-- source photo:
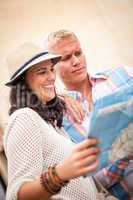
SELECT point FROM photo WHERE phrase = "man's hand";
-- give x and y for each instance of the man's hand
(75, 108)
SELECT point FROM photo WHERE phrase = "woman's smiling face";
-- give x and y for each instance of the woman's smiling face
(41, 78)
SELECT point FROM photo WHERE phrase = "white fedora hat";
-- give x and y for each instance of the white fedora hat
(25, 57)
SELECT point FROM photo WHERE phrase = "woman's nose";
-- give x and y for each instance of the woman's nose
(51, 76)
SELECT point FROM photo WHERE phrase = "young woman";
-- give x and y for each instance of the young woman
(43, 163)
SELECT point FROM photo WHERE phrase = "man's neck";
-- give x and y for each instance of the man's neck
(83, 87)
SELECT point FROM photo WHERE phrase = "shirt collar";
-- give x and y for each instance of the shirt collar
(93, 80)
(96, 78)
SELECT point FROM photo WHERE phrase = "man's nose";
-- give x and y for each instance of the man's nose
(75, 60)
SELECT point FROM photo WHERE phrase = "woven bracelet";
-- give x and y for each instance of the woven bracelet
(47, 185)
(56, 177)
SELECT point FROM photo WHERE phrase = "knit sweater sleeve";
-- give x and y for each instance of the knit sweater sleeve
(23, 146)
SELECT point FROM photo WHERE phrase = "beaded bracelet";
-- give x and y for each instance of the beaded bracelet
(47, 185)
(51, 181)
(55, 177)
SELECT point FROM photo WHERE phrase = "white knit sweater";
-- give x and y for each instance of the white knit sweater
(31, 145)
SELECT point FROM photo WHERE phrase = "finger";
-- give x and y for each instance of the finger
(92, 167)
(75, 108)
(79, 110)
(75, 113)
(89, 169)
(88, 160)
(86, 144)
(87, 152)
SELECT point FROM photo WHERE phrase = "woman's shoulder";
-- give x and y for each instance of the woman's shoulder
(25, 118)
(25, 113)
(22, 123)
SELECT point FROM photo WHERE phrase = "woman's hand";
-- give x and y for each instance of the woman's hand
(75, 108)
(82, 160)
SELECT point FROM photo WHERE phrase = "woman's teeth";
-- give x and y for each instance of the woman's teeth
(48, 86)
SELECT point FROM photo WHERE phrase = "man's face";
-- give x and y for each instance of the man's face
(72, 67)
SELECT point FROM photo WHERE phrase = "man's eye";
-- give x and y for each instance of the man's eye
(78, 53)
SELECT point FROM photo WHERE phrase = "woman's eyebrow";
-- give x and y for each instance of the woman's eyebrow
(40, 69)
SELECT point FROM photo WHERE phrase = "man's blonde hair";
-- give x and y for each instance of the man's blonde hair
(56, 36)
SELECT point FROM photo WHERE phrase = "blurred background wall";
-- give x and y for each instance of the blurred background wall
(105, 28)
